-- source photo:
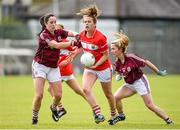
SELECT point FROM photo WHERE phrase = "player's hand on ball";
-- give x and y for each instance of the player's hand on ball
(162, 72)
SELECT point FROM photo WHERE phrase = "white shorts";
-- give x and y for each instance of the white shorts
(103, 75)
(141, 86)
(66, 78)
(40, 70)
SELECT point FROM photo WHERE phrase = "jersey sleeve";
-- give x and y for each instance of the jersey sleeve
(62, 33)
(103, 45)
(140, 62)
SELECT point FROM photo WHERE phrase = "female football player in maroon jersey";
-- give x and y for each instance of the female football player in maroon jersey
(95, 42)
(129, 67)
(65, 65)
(44, 65)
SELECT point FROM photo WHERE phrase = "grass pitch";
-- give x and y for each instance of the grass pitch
(16, 93)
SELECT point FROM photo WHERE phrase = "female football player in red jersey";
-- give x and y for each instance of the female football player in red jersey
(66, 57)
(129, 66)
(44, 66)
(95, 42)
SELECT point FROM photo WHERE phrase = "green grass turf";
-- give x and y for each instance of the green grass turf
(16, 94)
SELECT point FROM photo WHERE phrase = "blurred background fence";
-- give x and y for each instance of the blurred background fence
(152, 26)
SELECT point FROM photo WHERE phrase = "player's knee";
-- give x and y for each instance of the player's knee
(109, 95)
(86, 91)
(149, 105)
(117, 98)
(57, 95)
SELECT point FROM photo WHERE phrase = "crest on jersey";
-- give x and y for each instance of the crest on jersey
(128, 69)
(94, 47)
(59, 38)
(47, 40)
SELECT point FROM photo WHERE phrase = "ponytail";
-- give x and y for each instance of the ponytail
(41, 20)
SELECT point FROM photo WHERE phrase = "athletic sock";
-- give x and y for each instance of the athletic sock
(60, 106)
(96, 110)
(121, 114)
(35, 114)
(53, 106)
(113, 112)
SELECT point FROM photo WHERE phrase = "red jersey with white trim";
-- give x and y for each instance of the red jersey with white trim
(96, 45)
(64, 54)
(131, 68)
(46, 54)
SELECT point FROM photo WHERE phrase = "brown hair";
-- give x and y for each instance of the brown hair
(91, 11)
(121, 40)
(44, 19)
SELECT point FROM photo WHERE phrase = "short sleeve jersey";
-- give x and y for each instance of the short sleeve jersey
(96, 45)
(67, 69)
(46, 54)
(131, 68)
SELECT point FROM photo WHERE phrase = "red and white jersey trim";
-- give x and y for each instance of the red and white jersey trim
(89, 46)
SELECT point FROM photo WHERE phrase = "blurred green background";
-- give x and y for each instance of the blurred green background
(152, 26)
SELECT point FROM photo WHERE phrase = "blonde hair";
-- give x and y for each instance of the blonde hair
(60, 26)
(121, 40)
(91, 11)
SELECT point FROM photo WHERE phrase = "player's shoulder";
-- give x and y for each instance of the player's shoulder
(100, 37)
(100, 33)
(130, 55)
(134, 56)
(82, 33)
(44, 34)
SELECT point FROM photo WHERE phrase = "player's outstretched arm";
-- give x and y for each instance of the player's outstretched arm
(155, 69)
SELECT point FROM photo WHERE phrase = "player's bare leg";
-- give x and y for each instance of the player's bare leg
(157, 110)
(122, 92)
(38, 95)
(57, 94)
(73, 84)
(88, 82)
(107, 89)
